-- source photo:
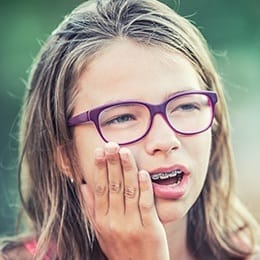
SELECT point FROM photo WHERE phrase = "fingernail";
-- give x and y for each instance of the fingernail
(143, 176)
(111, 147)
(124, 154)
(99, 153)
(144, 180)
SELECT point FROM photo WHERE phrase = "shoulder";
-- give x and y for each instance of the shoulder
(14, 251)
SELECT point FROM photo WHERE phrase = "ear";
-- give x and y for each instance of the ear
(63, 162)
(65, 166)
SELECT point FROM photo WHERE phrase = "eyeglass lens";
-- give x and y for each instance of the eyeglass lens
(187, 114)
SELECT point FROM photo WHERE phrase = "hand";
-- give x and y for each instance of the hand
(121, 208)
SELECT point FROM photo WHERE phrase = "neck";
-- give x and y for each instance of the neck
(176, 233)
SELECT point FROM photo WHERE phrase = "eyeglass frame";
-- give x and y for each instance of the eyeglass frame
(92, 115)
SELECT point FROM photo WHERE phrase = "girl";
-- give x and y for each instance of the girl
(125, 146)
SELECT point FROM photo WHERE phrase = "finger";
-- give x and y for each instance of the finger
(115, 180)
(131, 185)
(100, 184)
(146, 199)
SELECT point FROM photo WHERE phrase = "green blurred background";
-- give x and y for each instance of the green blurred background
(232, 29)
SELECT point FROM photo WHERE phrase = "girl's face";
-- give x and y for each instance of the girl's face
(124, 71)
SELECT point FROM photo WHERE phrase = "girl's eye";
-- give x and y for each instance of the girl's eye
(188, 107)
(120, 119)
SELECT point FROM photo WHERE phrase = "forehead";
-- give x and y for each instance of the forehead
(126, 53)
(127, 70)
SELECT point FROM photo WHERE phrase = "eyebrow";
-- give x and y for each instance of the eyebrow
(171, 94)
(166, 96)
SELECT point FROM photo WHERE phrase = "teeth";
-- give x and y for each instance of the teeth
(155, 176)
(165, 175)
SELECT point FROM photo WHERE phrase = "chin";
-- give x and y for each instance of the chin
(170, 211)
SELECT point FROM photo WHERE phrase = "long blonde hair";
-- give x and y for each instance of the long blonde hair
(50, 201)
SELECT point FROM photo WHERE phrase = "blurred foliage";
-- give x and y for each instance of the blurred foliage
(232, 29)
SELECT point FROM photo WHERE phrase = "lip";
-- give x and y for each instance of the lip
(172, 191)
(170, 169)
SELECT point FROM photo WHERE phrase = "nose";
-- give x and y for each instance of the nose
(161, 137)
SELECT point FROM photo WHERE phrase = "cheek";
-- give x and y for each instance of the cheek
(87, 140)
(201, 149)
(200, 153)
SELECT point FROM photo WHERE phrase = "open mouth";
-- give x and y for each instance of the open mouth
(168, 178)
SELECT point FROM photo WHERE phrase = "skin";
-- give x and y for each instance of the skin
(129, 221)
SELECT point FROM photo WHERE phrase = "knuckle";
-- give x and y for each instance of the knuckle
(123, 232)
(115, 229)
(146, 206)
(132, 235)
(127, 165)
(133, 231)
(112, 159)
(130, 192)
(100, 190)
(100, 163)
(115, 187)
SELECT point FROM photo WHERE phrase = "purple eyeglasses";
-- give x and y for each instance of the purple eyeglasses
(186, 113)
